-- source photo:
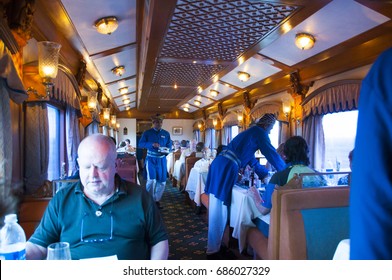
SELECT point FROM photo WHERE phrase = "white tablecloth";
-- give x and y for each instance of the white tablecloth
(343, 250)
(243, 210)
(196, 183)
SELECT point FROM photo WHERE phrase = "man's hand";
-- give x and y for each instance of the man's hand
(156, 145)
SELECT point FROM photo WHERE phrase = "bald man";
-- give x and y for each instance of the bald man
(101, 215)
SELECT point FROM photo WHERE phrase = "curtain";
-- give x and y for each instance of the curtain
(196, 135)
(314, 136)
(36, 145)
(226, 135)
(11, 88)
(208, 138)
(72, 138)
(332, 98)
(218, 137)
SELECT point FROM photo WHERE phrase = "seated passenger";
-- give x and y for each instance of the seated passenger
(297, 158)
(200, 149)
(345, 180)
(129, 147)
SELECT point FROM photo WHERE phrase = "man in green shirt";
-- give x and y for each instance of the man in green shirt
(102, 215)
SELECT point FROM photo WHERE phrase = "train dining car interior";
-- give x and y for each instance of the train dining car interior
(209, 70)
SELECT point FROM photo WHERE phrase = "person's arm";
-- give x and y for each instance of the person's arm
(35, 252)
(160, 251)
(144, 143)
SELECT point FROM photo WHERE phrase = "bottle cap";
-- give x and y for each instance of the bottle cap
(10, 218)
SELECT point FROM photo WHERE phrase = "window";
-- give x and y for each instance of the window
(339, 133)
(210, 138)
(54, 143)
(234, 131)
(274, 135)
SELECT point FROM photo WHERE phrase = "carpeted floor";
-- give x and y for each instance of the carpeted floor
(187, 230)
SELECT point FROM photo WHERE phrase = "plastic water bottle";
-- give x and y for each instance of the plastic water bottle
(12, 240)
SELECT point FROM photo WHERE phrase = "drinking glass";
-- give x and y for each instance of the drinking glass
(59, 251)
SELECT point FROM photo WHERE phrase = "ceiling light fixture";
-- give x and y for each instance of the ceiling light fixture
(123, 90)
(243, 76)
(197, 102)
(304, 41)
(214, 93)
(106, 25)
(186, 109)
(126, 101)
(118, 70)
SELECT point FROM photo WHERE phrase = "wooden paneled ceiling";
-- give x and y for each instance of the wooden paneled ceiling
(176, 51)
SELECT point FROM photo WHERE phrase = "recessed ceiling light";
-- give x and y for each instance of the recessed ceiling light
(106, 25)
(243, 76)
(123, 90)
(214, 93)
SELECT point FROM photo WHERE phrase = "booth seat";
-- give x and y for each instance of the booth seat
(305, 224)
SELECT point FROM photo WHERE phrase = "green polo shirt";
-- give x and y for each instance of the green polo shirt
(126, 225)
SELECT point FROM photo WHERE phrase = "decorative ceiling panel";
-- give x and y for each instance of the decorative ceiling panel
(184, 74)
(220, 30)
(222, 89)
(354, 19)
(259, 70)
(170, 93)
(114, 87)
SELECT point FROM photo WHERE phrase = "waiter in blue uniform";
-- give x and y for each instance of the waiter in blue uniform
(158, 144)
(223, 174)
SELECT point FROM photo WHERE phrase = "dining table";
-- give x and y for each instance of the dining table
(243, 208)
(242, 212)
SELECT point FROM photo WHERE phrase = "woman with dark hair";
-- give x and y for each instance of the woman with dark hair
(296, 151)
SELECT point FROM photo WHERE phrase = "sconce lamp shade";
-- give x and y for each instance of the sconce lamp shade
(92, 101)
(304, 41)
(243, 76)
(106, 25)
(48, 61)
(118, 70)
(286, 106)
(106, 114)
(113, 120)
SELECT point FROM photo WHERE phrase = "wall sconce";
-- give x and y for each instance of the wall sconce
(118, 126)
(106, 114)
(214, 122)
(199, 125)
(243, 76)
(304, 41)
(118, 70)
(286, 107)
(106, 25)
(214, 93)
(48, 60)
(92, 101)
(113, 120)
(240, 119)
